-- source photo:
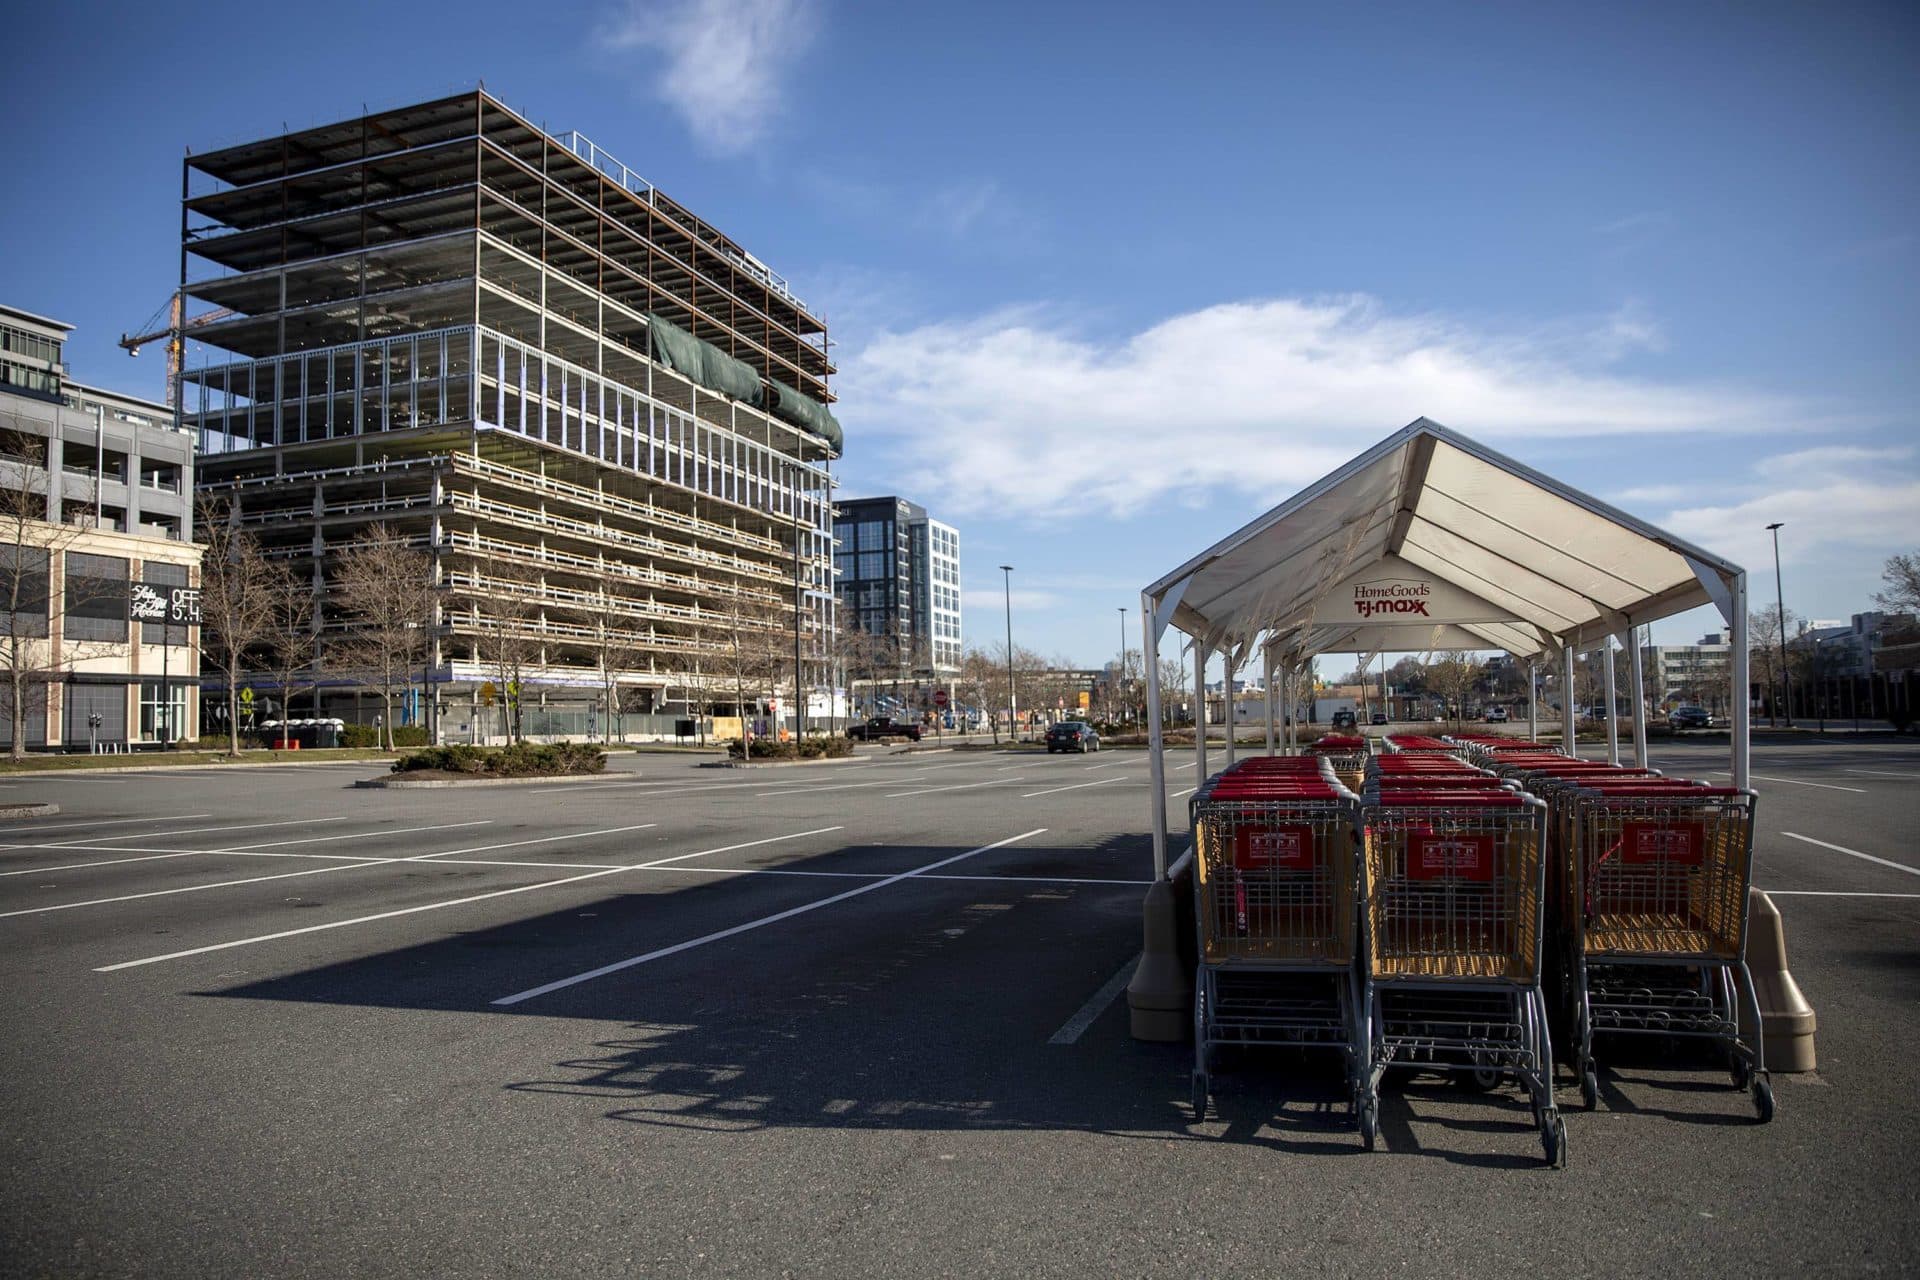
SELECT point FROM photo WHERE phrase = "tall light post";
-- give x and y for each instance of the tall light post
(1120, 672)
(1006, 571)
(1780, 604)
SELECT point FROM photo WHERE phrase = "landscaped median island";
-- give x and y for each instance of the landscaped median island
(814, 748)
(523, 761)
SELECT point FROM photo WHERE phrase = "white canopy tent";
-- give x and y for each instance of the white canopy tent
(1430, 541)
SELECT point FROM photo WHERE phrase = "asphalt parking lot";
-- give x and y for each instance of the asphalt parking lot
(843, 1020)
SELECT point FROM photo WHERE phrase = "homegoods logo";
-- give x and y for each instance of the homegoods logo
(1371, 598)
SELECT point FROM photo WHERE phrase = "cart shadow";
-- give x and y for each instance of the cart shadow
(1636, 1072)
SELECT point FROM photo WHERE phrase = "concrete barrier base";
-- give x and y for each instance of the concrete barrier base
(1786, 1019)
(1160, 996)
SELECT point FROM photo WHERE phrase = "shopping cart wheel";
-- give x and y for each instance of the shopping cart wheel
(1482, 1079)
(1742, 1070)
(1369, 1121)
(1763, 1099)
(1553, 1138)
(1590, 1089)
(1200, 1092)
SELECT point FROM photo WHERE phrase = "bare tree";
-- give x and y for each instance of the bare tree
(508, 616)
(1902, 576)
(293, 640)
(236, 601)
(975, 685)
(382, 584)
(1176, 678)
(753, 638)
(617, 649)
(1453, 677)
(1765, 629)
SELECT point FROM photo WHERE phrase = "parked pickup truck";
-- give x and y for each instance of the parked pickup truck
(879, 729)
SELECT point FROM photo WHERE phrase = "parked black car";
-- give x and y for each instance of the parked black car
(1690, 718)
(880, 728)
(1072, 735)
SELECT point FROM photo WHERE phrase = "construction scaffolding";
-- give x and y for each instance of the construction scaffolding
(604, 420)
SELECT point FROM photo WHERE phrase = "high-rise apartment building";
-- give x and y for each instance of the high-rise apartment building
(603, 420)
(898, 574)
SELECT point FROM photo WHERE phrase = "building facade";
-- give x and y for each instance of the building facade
(602, 422)
(1845, 650)
(897, 572)
(1693, 674)
(96, 522)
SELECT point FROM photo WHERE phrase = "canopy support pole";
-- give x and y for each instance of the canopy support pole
(1742, 690)
(1266, 683)
(1567, 741)
(1637, 679)
(1613, 702)
(1533, 708)
(1199, 713)
(1230, 659)
(1156, 734)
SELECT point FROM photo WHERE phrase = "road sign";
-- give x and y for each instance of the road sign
(488, 693)
(940, 698)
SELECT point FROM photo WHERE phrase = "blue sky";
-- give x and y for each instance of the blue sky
(1107, 280)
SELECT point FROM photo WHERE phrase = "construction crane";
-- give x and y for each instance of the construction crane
(175, 332)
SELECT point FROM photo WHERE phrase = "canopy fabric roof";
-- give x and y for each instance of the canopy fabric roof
(1431, 541)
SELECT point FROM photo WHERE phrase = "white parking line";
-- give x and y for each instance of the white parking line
(953, 786)
(1794, 782)
(1189, 791)
(1050, 791)
(1832, 893)
(1881, 773)
(1076, 1026)
(387, 915)
(1188, 765)
(223, 884)
(844, 786)
(194, 831)
(763, 921)
(155, 855)
(1117, 764)
(1853, 853)
(729, 848)
(99, 822)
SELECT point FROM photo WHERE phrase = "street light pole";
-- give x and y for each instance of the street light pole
(1120, 672)
(1006, 571)
(1780, 604)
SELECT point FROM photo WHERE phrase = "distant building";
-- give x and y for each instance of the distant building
(96, 493)
(897, 574)
(1841, 650)
(1693, 674)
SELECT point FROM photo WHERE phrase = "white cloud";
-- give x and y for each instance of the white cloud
(1015, 411)
(721, 60)
(1839, 506)
(994, 599)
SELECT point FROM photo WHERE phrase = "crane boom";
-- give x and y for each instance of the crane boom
(175, 334)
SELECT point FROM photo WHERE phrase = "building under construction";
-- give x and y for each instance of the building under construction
(604, 420)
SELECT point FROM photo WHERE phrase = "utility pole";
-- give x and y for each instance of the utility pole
(1780, 604)
(1119, 672)
(1013, 709)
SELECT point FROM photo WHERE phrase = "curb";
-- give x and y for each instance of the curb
(28, 810)
(197, 764)
(406, 784)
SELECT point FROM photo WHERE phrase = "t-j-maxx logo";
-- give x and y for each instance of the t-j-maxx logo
(1372, 598)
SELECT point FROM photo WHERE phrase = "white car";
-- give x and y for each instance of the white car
(1496, 715)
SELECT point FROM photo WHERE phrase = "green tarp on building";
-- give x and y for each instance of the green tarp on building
(805, 412)
(702, 362)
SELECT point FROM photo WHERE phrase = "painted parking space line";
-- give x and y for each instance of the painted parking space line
(838, 786)
(1881, 773)
(194, 831)
(1117, 764)
(1831, 893)
(155, 855)
(1793, 782)
(1853, 853)
(1054, 791)
(388, 915)
(1188, 765)
(100, 822)
(678, 947)
(588, 788)
(729, 848)
(1076, 1026)
(952, 786)
(223, 884)
(1189, 791)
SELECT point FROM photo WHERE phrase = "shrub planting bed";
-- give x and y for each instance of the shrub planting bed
(820, 748)
(521, 760)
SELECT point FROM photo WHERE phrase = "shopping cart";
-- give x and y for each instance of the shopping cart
(1346, 754)
(1653, 916)
(1274, 903)
(1452, 878)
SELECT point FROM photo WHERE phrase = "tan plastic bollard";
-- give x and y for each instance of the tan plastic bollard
(1160, 996)
(1786, 1019)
